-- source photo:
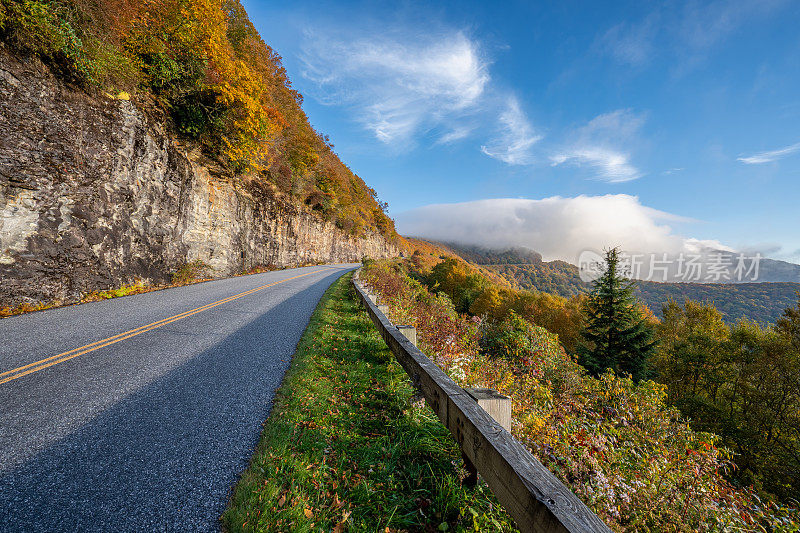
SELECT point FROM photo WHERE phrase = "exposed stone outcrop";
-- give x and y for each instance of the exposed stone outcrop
(94, 193)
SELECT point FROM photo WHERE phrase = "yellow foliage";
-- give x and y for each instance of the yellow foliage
(254, 124)
(489, 303)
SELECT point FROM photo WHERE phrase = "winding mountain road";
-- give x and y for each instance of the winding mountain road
(138, 413)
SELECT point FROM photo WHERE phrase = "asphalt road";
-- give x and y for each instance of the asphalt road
(146, 431)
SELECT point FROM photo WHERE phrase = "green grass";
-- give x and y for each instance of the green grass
(346, 449)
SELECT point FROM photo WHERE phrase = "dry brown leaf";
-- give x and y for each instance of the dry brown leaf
(338, 528)
(281, 501)
(309, 513)
(336, 501)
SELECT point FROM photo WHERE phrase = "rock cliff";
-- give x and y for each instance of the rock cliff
(95, 193)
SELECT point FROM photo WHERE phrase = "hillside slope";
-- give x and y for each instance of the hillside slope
(138, 137)
(763, 302)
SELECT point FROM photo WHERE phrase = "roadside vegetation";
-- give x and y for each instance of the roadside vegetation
(187, 274)
(347, 448)
(621, 444)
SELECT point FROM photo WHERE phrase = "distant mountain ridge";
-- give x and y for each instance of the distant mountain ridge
(762, 301)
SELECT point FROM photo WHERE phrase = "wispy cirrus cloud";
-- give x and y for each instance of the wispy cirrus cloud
(400, 88)
(770, 156)
(410, 85)
(688, 31)
(596, 145)
(516, 136)
(631, 43)
(704, 25)
(672, 171)
(407, 86)
(611, 166)
(456, 134)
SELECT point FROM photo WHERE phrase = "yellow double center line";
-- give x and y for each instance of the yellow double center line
(30, 368)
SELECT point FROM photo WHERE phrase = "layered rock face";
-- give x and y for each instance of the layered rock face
(94, 194)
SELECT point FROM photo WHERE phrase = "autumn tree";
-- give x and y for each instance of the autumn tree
(788, 324)
(559, 315)
(691, 356)
(457, 281)
(740, 382)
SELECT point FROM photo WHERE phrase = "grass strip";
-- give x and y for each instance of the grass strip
(345, 447)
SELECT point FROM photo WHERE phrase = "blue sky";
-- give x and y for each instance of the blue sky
(639, 124)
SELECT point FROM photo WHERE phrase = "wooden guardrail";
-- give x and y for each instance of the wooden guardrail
(532, 495)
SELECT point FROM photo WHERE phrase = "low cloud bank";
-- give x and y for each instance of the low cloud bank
(556, 227)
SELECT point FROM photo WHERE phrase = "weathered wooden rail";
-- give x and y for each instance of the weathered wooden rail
(532, 495)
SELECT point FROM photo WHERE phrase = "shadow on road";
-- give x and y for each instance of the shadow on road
(165, 457)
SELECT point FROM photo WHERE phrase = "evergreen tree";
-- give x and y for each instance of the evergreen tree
(616, 334)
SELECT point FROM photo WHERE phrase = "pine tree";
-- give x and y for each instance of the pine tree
(616, 334)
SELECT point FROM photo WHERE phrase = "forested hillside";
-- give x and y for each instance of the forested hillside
(762, 302)
(202, 64)
(524, 268)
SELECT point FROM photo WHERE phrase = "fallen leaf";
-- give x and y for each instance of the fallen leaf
(281, 501)
(336, 501)
(309, 513)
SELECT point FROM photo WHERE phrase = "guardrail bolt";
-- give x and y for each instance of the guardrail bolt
(409, 332)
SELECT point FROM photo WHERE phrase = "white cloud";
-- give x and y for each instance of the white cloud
(399, 88)
(631, 43)
(769, 157)
(688, 32)
(706, 24)
(456, 134)
(516, 137)
(611, 166)
(556, 227)
(595, 146)
(617, 126)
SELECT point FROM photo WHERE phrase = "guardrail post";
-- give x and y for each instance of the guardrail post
(410, 333)
(497, 405)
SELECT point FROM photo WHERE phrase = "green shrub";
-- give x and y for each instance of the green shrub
(51, 30)
(516, 338)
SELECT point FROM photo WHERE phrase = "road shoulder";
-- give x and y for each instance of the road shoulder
(345, 448)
